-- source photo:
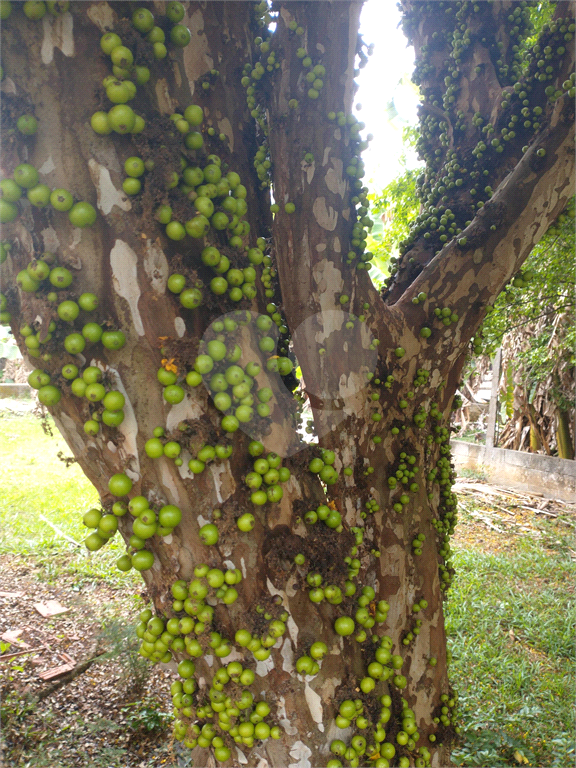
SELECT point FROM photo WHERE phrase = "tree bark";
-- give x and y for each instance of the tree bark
(361, 354)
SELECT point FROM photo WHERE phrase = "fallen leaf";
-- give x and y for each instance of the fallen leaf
(50, 608)
(49, 674)
(12, 635)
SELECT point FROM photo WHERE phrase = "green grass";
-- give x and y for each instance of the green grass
(515, 690)
(36, 483)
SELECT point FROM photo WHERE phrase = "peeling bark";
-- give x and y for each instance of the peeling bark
(54, 69)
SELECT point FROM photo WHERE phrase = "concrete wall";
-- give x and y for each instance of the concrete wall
(530, 472)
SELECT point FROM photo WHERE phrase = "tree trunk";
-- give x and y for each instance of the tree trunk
(563, 436)
(380, 391)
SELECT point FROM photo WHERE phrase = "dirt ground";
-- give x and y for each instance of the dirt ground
(113, 713)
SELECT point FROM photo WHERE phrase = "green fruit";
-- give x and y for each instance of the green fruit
(94, 542)
(134, 166)
(124, 563)
(121, 118)
(142, 560)
(174, 12)
(142, 20)
(82, 215)
(246, 522)
(175, 231)
(74, 343)
(38, 378)
(26, 176)
(88, 302)
(61, 200)
(25, 282)
(92, 332)
(173, 394)
(120, 485)
(169, 516)
(344, 626)
(70, 371)
(113, 401)
(113, 340)
(8, 211)
(78, 387)
(92, 518)
(5, 9)
(154, 448)
(100, 124)
(180, 35)
(190, 298)
(176, 283)
(49, 395)
(109, 41)
(194, 114)
(68, 311)
(60, 277)
(95, 392)
(209, 534)
(39, 196)
(10, 191)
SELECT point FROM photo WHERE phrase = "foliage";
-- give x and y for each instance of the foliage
(392, 210)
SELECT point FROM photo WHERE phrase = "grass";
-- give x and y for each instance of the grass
(509, 617)
(509, 622)
(40, 487)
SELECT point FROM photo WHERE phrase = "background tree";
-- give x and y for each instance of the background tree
(323, 591)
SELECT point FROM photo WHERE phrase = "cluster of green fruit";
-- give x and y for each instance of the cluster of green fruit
(146, 524)
(243, 720)
(308, 664)
(26, 177)
(315, 73)
(105, 525)
(379, 751)
(523, 112)
(220, 351)
(405, 474)
(323, 466)
(120, 87)
(260, 646)
(329, 515)
(268, 471)
(238, 282)
(219, 201)
(35, 9)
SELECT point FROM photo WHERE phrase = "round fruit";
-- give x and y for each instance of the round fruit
(114, 401)
(61, 200)
(113, 339)
(344, 626)
(173, 394)
(74, 343)
(60, 277)
(10, 191)
(82, 215)
(92, 332)
(121, 118)
(120, 485)
(209, 534)
(25, 175)
(49, 395)
(88, 302)
(142, 560)
(169, 516)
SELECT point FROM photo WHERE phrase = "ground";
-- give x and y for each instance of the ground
(509, 617)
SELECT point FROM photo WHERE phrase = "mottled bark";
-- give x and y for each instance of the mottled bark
(54, 68)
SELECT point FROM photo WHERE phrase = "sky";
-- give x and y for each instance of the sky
(380, 83)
